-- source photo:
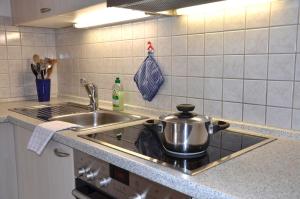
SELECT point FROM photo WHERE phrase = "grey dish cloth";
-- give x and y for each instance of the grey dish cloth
(149, 78)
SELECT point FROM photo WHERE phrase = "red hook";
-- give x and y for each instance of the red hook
(150, 47)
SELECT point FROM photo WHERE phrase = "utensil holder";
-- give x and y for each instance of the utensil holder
(43, 88)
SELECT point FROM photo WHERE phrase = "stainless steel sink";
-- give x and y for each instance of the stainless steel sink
(77, 114)
(98, 118)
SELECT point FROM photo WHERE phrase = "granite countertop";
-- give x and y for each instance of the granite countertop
(270, 171)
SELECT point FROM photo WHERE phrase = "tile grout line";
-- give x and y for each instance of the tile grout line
(295, 66)
(268, 62)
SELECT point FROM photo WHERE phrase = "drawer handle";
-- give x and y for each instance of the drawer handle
(61, 154)
(45, 10)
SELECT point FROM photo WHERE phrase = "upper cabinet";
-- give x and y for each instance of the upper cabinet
(48, 13)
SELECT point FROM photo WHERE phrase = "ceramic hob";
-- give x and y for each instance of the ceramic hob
(142, 142)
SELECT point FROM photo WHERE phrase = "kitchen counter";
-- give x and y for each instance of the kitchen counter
(271, 171)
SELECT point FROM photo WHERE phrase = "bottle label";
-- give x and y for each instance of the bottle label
(116, 101)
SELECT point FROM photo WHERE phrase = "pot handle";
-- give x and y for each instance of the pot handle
(217, 125)
(220, 125)
(155, 125)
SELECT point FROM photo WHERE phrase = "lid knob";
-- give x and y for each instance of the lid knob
(185, 110)
(185, 107)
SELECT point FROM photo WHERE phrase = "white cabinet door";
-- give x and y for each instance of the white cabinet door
(8, 172)
(47, 176)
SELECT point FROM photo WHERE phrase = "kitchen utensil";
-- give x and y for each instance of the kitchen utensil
(185, 133)
(49, 71)
(33, 69)
(36, 58)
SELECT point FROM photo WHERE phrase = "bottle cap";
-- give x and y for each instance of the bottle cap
(117, 81)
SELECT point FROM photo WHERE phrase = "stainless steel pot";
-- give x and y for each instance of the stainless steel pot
(186, 132)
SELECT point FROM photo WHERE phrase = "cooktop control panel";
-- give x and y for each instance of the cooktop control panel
(117, 182)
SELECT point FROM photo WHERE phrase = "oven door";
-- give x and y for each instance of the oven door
(84, 190)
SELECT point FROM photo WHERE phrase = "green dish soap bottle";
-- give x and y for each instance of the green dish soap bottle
(118, 96)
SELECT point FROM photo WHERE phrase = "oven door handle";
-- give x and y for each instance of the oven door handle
(79, 195)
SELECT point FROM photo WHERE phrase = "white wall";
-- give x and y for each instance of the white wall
(238, 63)
(5, 9)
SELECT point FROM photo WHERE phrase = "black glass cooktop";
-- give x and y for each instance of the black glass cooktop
(144, 143)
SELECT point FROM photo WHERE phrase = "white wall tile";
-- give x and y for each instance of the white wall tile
(3, 66)
(198, 105)
(296, 95)
(179, 45)
(179, 25)
(214, 43)
(256, 66)
(195, 87)
(233, 66)
(164, 46)
(126, 31)
(234, 42)
(257, 41)
(4, 80)
(13, 38)
(196, 66)
(233, 111)
(280, 93)
(138, 47)
(213, 66)
(298, 40)
(279, 117)
(138, 30)
(214, 19)
(296, 119)
(234, 20)
(179, 86)
(14, 52)
(166, 88)
(2, 38)
(213, 108)
(254, 114)
(179, 65)
(3, 52)
(297, 70)
(4, 93)
(255, 91)
(196, 44)
(281, 66)
(151, 28)
(165, 64)
(195, 24)
(233, 90)
(164, 27)
(213, 88)
(283, 39)
(258, 15)
(284, 12)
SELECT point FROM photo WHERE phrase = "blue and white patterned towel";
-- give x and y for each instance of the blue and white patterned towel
(149, 78)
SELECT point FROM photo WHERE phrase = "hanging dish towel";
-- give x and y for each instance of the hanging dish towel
(149, 78)
(43, 133)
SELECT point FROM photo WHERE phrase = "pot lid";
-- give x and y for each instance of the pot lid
(185, 115)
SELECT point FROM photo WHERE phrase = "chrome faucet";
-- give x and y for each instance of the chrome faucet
(92, 91)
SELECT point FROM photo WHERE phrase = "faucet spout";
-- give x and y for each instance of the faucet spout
(92, 92)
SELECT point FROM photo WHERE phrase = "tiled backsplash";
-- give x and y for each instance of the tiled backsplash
(235, 62)
(17, 45)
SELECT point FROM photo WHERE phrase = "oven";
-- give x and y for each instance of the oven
(97, 179)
